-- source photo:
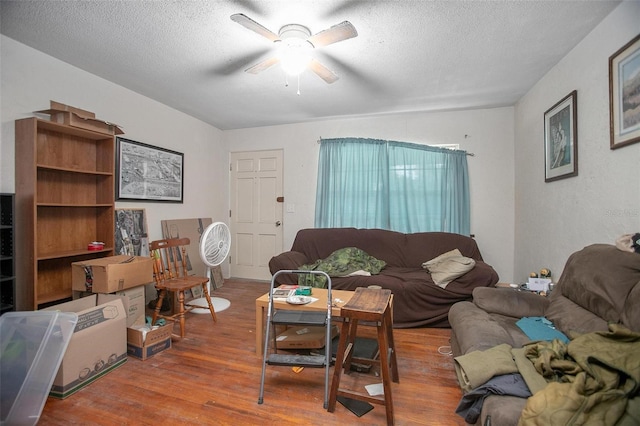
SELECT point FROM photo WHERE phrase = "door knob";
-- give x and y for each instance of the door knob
(278, 223)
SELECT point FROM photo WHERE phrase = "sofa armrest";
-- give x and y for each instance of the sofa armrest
(505, 301)
(287, 260)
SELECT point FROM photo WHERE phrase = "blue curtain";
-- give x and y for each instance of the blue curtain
(368, 183)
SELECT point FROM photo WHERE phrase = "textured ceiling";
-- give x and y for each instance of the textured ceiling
(408, 55)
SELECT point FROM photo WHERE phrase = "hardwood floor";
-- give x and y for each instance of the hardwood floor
(212, 376)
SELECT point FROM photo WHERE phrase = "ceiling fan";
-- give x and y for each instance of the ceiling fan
(295, 46)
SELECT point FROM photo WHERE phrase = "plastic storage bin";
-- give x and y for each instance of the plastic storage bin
(32, 345)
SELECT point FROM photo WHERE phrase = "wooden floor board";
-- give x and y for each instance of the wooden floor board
(212, 377)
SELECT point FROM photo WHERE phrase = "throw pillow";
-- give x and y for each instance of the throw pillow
(448, 266)
(441, 258)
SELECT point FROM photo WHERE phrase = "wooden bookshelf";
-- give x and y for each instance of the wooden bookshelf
(64, 200)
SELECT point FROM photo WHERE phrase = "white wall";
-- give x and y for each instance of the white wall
(30, 79)
(603, 202)
(489, 136)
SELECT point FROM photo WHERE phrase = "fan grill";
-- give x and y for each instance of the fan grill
(215, 244)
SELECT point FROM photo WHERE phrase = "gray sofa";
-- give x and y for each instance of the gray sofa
(600, 284)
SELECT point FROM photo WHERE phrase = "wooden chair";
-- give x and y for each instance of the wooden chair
(170, 272)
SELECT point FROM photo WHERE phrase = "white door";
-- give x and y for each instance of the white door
(256, 212)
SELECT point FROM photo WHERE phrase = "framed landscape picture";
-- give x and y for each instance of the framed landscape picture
(148, 173)
(561, 139)
(624, 94)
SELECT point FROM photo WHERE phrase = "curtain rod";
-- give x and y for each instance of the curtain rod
(470, 154)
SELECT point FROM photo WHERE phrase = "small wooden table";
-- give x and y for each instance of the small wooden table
(262, 304)
(367, 305)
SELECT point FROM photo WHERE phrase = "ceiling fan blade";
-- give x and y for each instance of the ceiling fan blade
(342, 31)
(252, 25)
(363, 77)
(261, 66)
(323, 72)
(233, 65)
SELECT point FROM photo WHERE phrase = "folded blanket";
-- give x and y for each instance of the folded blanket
(477, 367)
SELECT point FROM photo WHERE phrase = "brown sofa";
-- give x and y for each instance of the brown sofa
(417, 300)
(599, 285)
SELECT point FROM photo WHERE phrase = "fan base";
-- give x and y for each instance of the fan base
(219, 305)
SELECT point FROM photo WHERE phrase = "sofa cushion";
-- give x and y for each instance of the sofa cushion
(475, 329)
(506, 301)
(604, 280)
(570, 318)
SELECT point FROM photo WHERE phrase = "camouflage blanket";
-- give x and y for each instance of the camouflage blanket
(340, 263)
(594, 380)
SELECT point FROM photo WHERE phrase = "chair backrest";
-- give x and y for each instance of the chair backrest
(170, 258)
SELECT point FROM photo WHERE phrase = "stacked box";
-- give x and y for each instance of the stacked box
(111, 274)
(98, 344)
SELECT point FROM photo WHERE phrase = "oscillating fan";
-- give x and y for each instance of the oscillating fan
(214, 249)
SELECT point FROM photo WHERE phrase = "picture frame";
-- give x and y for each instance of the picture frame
(624, 98)
(148, 173)
(131, 237)
(561, 139)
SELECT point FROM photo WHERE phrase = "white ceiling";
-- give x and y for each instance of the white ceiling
(408, 55)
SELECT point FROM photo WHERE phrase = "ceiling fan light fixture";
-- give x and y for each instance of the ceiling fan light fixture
(294, 59)
(294, 46)
(294, 51)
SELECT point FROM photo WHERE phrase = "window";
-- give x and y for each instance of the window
(368, 183)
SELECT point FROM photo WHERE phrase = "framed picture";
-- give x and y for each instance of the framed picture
(624, 94)
(561, 139)
(131, 233)
(146, 172)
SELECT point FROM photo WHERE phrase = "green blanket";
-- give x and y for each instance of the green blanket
(595, 380)
(340, 263)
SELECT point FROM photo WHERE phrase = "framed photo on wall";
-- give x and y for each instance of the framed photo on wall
(561, 139)
(131, 233)
(148, 173)
(624, 94)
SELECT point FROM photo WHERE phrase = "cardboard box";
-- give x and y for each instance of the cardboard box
(113, 273)
(63, 107)
(144, 345)
(98, 344)
(135, 305)
(76, 117)
(304, 337)
(133, 300)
